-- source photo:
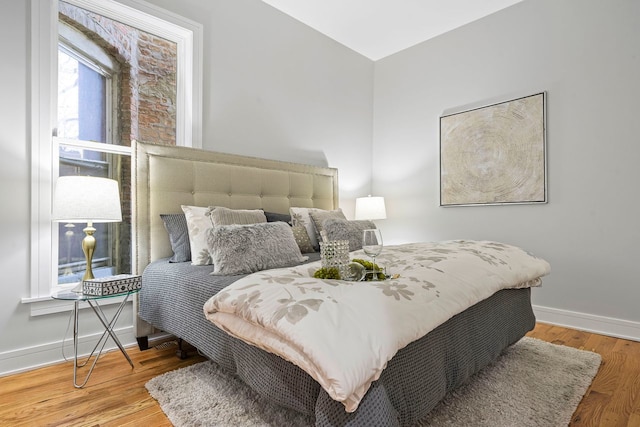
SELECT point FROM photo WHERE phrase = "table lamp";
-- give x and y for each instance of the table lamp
(86, 199)
(370, 208)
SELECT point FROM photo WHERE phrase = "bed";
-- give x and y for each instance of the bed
(174, 293)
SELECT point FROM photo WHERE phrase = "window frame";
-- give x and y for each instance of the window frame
(185, 33)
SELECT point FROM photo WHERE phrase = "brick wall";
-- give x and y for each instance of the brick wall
(147, 89)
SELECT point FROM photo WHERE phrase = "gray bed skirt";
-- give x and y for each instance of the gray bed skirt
(173, 295)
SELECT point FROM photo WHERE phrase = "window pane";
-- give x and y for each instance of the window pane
(82, 100)
(112, 254)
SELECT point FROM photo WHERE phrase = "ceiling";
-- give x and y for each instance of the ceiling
(378, 28)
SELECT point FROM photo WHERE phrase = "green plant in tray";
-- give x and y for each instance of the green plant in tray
(327, 273)
(334, 273)
(371, 268)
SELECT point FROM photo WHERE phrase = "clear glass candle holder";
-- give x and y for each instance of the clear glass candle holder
(335, 254)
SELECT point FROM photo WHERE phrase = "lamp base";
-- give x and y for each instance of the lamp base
(88, 247)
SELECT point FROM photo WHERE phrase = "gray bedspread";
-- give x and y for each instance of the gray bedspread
(415, 380)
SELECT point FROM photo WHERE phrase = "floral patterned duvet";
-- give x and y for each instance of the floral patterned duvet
(344, 333)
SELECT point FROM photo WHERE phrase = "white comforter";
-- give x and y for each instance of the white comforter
(344, 333)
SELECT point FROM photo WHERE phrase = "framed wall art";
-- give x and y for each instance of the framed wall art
(495, 154)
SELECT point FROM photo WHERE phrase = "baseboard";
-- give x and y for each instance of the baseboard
(588, 322)
(28, 358)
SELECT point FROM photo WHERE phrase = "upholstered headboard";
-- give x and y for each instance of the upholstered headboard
(165, 177)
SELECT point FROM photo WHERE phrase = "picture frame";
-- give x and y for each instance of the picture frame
(495, 154)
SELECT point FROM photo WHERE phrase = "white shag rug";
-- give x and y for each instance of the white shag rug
(532, 384)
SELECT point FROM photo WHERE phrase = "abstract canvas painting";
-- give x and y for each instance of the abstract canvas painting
(494, 154)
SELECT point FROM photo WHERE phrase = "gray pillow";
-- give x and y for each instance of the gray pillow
(176, 226)
(319, 216)
(342, 229)
(243, 249)
(274, 216)
(224, 216)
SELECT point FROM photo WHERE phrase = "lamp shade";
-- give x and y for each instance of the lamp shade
(370, 208)
(86, 199)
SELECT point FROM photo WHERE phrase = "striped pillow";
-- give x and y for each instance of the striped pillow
(225, 216)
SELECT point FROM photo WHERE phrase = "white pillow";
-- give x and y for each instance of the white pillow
(198, 226)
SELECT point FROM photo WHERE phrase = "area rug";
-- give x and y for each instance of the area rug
(532, 384)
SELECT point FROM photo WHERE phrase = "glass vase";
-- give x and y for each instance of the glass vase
(335, 254)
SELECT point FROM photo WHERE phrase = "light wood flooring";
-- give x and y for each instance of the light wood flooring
(116, 396)
(613, 400)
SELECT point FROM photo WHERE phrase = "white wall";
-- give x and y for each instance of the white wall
(277, 89)
(273, 88)
(586, 55)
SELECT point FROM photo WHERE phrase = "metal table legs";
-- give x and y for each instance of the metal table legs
(108, 332)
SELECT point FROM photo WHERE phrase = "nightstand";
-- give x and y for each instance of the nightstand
(92, 301)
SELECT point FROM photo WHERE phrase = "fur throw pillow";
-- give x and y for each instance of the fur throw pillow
(342, 229)
(243, 249)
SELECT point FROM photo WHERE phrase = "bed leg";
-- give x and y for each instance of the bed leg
(181, 352)
(143, 343)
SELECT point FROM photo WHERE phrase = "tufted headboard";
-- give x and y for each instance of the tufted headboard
(165, 177)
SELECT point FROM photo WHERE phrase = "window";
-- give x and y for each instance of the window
(86, 114)
(89, 140)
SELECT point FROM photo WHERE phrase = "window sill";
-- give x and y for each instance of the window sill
(41, 306)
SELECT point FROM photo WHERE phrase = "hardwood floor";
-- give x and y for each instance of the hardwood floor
(115, 394)
(613, 400)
